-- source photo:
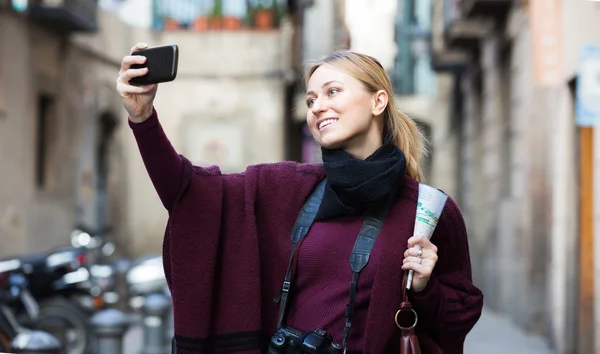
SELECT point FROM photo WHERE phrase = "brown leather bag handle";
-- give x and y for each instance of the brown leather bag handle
(405, 306)
(404, 283)
(409, 342)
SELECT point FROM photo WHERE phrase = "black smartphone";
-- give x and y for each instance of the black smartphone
(161, 63)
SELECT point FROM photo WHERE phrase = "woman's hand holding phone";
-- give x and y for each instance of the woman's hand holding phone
(137, 100)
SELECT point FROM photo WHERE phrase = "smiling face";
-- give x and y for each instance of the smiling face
(342, 113)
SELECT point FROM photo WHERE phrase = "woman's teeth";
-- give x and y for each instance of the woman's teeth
(326, 122)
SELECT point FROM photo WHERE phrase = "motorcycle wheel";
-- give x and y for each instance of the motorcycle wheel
(69, 324)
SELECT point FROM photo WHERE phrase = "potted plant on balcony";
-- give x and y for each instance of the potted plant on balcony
(215, 20)
(232, 22)
(171, 24)
(233, 14)
(263, 13)
(201, 23)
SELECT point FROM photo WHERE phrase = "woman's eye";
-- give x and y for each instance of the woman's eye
(310, 102)
(333, 91)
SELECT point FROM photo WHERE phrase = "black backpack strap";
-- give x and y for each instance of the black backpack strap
(303, 223)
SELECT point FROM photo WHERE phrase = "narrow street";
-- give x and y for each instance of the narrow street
(496, 334)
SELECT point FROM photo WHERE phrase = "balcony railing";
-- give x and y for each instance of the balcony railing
(205, 15)
(450, 61)
(65, 15)
(460, 32)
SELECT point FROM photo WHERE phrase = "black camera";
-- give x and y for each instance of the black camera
(289, 340)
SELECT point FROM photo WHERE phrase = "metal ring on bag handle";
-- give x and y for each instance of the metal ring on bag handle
(413, 326)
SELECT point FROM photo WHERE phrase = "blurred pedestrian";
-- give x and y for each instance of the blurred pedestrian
(227, 244)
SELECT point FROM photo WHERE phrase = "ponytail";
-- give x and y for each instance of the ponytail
(408, 137)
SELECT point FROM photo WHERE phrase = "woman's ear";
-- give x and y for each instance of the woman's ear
(380, 101)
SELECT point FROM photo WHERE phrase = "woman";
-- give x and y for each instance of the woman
(227, 242)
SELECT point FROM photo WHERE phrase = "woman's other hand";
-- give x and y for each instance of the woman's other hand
(421, 256)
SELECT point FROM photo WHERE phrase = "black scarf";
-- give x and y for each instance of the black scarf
(354, 185)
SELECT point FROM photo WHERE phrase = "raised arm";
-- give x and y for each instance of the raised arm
(162, 161)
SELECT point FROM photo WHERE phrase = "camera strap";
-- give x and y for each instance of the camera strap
(360, 256)
(303, 223)
(358, 259)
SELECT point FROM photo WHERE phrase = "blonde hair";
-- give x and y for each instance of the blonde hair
(403, 131)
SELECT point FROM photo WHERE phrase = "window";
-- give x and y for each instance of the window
(413, 73)
(45, 106)
(107, 123)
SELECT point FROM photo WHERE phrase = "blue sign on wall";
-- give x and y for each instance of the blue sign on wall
(587, 110)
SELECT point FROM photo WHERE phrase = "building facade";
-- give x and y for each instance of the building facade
(514, 67)
(57, 129)
(68, 156)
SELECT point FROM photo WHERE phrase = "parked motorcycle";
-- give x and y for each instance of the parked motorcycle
(79, 293)
(146, 276)
(69, 291)
(102, 270)
(14, 289)
(9, 292)
(7, 331)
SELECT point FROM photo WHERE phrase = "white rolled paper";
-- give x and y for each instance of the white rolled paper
(429, 208)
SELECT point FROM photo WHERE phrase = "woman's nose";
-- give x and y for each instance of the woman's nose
(317, 107)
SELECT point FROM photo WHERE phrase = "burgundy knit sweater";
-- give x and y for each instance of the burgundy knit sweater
(227, 244)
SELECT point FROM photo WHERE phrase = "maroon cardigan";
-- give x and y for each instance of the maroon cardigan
(227, 245)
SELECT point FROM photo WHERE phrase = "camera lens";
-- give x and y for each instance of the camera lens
(278, 340)
(335, 348)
